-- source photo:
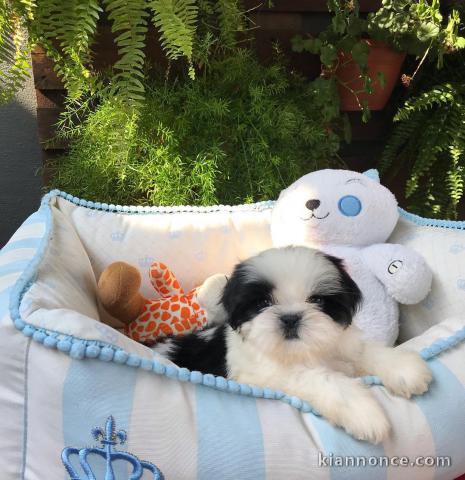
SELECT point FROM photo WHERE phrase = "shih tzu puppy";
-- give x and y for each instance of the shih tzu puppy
(289, 327)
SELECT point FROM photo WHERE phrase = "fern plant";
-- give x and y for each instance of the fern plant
(429, 141)
(67, 31)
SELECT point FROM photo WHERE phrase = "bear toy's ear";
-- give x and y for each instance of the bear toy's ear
(373, 174)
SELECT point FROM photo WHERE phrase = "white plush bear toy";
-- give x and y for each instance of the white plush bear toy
(350, 216)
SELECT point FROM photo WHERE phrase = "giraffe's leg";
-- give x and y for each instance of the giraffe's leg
(164, 281)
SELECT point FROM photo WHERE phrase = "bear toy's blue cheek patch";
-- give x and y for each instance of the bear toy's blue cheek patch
(350, 206)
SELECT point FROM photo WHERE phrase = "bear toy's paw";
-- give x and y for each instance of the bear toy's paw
(403, 272)
(209, 296)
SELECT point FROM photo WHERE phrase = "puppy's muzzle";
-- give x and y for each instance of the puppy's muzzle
(290, 323)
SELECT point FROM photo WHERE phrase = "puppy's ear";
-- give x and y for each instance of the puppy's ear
(233, 289)
(347, 301)
(244, 294)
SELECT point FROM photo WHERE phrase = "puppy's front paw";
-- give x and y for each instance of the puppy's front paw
(406, 374)
(364, 419)
(360, 415)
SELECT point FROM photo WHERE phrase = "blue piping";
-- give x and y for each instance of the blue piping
(259, 206)
(79, 348)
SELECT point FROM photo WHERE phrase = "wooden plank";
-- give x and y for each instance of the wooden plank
(361, 155)
(49, 158)
(270, 20)
(105, 52)
(45, 77)
(291, 22)
(46, 120)
(306, 5)
(376, 129)
(50, 98)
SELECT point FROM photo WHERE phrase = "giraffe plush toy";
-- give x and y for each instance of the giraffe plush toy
(174, 312)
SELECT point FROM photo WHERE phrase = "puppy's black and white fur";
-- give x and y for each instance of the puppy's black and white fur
(289, 327)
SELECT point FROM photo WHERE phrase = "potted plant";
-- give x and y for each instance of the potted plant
(365, 55)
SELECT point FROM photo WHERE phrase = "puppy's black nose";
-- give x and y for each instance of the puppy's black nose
(312, 204)
(290, 319)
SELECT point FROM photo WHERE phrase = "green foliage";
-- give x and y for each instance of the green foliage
(429, 141)
(343, 33)
(415, 27)
(67, 31)
(129, 22)
(240, 133)
(176, 21)
(14, 49)
(66, 34)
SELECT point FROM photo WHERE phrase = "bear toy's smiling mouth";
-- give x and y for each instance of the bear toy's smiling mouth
(313, 215)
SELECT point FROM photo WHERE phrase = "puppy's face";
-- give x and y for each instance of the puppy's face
(291, 302)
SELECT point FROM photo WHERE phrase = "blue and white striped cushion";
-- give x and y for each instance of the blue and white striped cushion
(55, 386)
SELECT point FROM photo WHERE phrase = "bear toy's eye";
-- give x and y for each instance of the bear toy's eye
(350, 206)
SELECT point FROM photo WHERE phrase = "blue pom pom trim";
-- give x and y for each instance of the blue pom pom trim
(80, 349)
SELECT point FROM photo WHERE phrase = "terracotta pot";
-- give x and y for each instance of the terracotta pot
(381, 58)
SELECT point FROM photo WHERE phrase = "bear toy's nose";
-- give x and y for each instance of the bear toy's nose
(312, 204)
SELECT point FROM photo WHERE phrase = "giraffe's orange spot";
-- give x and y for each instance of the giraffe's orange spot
(162, 266)
(156, 315)
(175, 298)
(185, 312)
(164, 291)
(144, 317)
(166, 329)
(174, 319)
(183, 300)
(140, 328)
(165, 305)
(165, 316)
(186, 323)
(176, 284)
(175, 307)
(155, 306)
(166, 275)
(135, 336)
(195, 306)
(151, 326)
(159, 283)
(179, 327)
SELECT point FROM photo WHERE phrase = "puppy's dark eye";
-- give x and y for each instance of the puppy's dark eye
(316, 299)
(262, 303)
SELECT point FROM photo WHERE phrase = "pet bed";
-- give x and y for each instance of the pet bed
(64, 374)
